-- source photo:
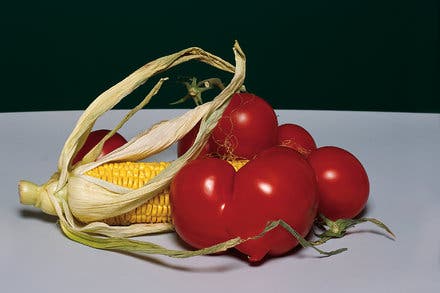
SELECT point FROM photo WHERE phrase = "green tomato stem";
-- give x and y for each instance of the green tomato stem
(196, 89)
(338, 228)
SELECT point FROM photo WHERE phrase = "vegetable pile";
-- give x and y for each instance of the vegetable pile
(286, 177)
(240, 180)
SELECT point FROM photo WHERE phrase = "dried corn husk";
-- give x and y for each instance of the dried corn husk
(80, 201)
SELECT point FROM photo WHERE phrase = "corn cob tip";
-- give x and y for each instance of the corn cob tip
(36, 195)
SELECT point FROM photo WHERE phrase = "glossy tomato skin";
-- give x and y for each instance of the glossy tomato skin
(296, 137)
(278, 184)
(94, 138)
(248, 125)
(343, 184)
(188, 140)
(199, 194)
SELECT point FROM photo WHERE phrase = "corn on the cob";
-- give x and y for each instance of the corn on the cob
(134, 175)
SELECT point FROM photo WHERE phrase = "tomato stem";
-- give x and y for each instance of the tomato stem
(195, 89)
(338, 228)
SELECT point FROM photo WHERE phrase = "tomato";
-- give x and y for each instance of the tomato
(343, 183)
(212, 203)
(198, 195)
(94, 138)
(296, 137)
(248, 125)
(277, 184)
(188, 140)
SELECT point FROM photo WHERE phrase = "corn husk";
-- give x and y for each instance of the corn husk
(82, 202)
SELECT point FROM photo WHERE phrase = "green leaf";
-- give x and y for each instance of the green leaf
(379, 224)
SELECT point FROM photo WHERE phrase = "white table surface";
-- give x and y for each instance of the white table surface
(400, 152)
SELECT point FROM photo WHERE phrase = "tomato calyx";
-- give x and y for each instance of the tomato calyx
(339, 227)
(195, 89)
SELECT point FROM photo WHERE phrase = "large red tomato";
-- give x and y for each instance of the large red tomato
(277, 184)
(94, 138)
(198, 196)
(296, 137)
(248, 125)
(212, 203)
(343, 183)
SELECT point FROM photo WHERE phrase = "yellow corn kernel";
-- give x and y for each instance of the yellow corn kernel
(134, 175)
(237, 164)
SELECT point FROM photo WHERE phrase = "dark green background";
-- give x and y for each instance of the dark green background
(343, 55)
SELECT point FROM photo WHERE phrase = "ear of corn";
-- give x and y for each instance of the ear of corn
(134, 175)
(81, 202)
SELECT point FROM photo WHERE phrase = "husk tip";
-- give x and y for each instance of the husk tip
(28, 192)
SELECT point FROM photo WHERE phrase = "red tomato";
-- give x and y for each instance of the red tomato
(188, 140)
(342, 182)
(212, 203)
(297, 138)
(94, 138)
(247, 126)
(277, 184)
(198, 196)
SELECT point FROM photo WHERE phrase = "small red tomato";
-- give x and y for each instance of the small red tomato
(277, 184)
(343, 184)
(297, 138)
(94, 138)
(188, 140)
(199, 194)
(248, 125)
